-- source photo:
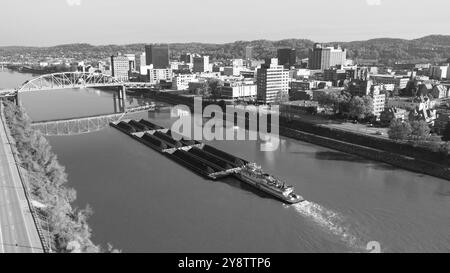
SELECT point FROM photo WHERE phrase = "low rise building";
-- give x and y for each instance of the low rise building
(235, 90)
(411, 104)
(439, 91)
(439, 72)
(156, 75)
(293, 109)
(390, 114)
(181, 81)
(441, 122)
(399, 81)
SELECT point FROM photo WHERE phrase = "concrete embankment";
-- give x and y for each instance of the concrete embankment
(408, 163)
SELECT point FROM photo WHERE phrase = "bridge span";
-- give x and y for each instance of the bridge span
(89, 124)
(73, 80)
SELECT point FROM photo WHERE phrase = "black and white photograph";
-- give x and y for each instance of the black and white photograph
(221, 133)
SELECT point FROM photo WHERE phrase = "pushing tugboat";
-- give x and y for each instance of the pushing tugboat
(255, 176)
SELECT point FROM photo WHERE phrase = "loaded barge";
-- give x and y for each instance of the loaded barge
(206, 160)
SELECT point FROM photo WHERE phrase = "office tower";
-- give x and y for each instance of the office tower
(140, 61)
(248, 53)
(186, 58)
(321, 57)
(132, 60)
(272, 81)
(157, 55)
(201, 64)
(120, 67)
(287, 57)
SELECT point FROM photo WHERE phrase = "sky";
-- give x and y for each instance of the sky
(100, 22)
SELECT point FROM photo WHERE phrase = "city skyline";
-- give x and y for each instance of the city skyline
(214, 23)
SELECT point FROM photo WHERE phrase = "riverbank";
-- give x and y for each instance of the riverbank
(67, 227)
(20, 230)
(405, 156)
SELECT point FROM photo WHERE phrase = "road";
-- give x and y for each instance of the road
(360, 129)
(18, 232)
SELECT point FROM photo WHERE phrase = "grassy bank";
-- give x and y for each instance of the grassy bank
(47, 182)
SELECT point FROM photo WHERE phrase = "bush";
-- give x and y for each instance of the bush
(399, 130)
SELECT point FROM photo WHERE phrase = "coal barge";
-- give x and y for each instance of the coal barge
(206, 160)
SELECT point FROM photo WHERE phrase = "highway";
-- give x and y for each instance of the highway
(18, 232)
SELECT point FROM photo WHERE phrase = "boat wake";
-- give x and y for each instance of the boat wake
(331, 221)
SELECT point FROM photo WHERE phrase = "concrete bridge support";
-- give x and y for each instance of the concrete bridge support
(120, 99)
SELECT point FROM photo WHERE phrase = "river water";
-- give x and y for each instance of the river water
(144, 202)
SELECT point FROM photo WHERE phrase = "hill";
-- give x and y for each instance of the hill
(433, 48)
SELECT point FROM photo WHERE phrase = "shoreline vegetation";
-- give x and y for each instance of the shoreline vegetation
(69, 231)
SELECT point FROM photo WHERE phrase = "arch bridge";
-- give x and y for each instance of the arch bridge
(67, 80)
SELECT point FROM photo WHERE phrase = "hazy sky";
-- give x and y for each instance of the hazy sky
(52, 22)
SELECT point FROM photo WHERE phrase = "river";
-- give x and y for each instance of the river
(143, 202)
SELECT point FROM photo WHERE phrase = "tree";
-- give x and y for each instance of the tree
(337, 102)
(446, 133)
(420, 130)
(281, 97)
(399, 130)
(361, 107)
(214, 87)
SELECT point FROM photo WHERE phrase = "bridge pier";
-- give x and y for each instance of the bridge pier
(122, 98)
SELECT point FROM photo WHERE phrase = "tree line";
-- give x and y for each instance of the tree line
(47, 181)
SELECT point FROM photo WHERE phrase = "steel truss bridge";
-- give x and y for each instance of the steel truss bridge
(74, 80)
(85, 125)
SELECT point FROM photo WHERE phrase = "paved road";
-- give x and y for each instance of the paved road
(18, 233)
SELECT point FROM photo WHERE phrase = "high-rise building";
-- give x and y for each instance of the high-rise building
(272, 81)
(132, 61)
(287, 57)
(157, 55)
(140, 61)
(120, 67)
(321, 57)
(248, 53)
(201, 64)
(186, 58)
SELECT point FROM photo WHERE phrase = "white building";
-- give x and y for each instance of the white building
(140, 61)
(272, 82)
(156, 75)
(181, 81)
(379, 102)
(120, 67)
(399, 81)
(236, 90)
